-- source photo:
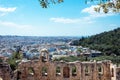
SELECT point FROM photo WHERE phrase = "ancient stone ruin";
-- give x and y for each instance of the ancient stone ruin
(118, 73)
(44, 69)
(5, 71)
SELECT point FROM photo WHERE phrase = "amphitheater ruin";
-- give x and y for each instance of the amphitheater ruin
(44, 69)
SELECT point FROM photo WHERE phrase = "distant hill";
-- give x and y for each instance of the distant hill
(107, 42)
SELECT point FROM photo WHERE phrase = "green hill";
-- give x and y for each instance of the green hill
(107, 42)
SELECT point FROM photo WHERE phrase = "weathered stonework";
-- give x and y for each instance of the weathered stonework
(118, 73)
(83, 70)
(5, 71)
(43, 69)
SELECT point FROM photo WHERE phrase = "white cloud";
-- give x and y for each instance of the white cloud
(11, 28)
(7, 9)
(14, 25)
(69, 20)
(90, 10)
(4, 11)
(64, 20)
(113, 25)
(94, 14)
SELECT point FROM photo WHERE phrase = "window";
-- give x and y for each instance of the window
(86, 71)
(44, 56)
(74, 71)
(66, 72)
(112, 72)
(44, 71)
(31, 71)
(18, 75)
(58, 73)
(100, 70)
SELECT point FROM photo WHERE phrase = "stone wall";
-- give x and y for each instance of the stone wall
(5, 71)
(44, 69)
(118, 73)
(68, 71)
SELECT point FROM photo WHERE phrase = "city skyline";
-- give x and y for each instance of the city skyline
(70, 18)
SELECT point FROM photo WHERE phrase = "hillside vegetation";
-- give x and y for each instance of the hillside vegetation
(107, 42)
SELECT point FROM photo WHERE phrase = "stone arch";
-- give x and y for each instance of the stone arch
(44, 56)
(66, 72)
(112, 72)
(31, 71)
(74, 70)
(58, 72)
(118, 75)
(86, 70)
(100, 69)
(44, 71)
(18, 75)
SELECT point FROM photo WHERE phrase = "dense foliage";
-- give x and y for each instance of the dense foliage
(114, 59)
(14, 60)
(107, 42)
(45, 3)
(103, 5)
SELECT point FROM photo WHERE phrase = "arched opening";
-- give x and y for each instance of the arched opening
(44, 71)
(86, 71)
(100, 70)
(66, 72)
(18, 75)
(58, 73)
(112, 72)
(118, 75)
(74, 71)
(31, 71)
(44, 56)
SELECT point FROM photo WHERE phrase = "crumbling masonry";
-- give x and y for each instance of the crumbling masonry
(5, 71)
(43, 69)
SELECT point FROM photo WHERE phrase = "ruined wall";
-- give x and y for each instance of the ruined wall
(118, 73)
(5, 71)
(44, 69)
(82, 71)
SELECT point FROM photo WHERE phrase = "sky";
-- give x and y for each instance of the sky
(70, 18)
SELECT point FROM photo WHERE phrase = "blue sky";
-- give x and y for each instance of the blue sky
(70, 18)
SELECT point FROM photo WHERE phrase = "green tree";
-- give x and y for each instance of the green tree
(12, 63)
(103, 5)
(14, 60)
(107, 42)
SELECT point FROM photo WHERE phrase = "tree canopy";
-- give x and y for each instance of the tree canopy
(103, 5)
(107, 42)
